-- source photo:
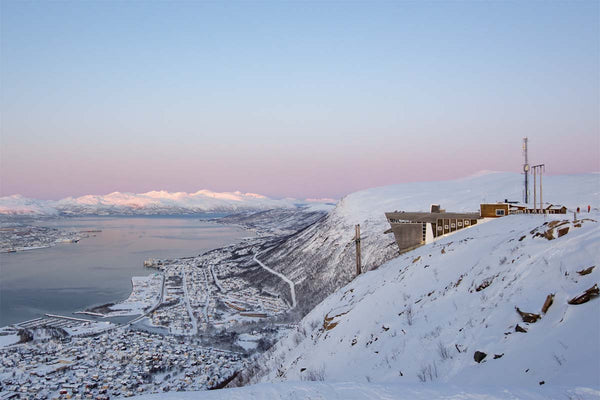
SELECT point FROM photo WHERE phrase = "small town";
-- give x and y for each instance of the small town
(19, 237)
(194, 322)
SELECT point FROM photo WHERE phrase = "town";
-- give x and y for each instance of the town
(121, 362)
(19, 237)
(193, 324)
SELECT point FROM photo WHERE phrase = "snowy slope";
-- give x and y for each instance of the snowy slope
(321, 258)
(422, 316)
(19, 205)
(155, 202)
(363, 391)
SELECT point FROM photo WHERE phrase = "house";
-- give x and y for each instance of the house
(494, 210)
(556, 209)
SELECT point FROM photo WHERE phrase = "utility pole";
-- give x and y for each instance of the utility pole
(357, 241)
(534, 191)
(541, 196)
(541, 168)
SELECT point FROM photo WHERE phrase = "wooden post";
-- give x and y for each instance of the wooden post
(357, 241)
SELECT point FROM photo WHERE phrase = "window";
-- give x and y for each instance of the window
(452, 225)
(467, 223)
(459, 223)
(445, 226)
(439, 228)
(500, 212)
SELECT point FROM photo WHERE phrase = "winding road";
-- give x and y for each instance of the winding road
(286, 279)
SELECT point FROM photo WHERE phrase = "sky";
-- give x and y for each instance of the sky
(291, 99)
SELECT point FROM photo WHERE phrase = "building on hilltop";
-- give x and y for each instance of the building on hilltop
(414, 229)
(501, 209)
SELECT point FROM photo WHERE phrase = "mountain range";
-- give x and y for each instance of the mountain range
(152, 203)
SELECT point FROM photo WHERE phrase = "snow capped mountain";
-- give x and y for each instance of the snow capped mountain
(321, 258)
(154, 202)
(19, 205)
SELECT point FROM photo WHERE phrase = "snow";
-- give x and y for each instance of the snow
(8, 339)
(19, 205)
(145, 292)
(284, 278)
(321, 258)
(362, 391)
(463, 195)
(153, 202)
(390, 325)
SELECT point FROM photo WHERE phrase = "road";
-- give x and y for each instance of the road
(289, 282)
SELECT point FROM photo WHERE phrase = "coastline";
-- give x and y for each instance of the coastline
(98, 310)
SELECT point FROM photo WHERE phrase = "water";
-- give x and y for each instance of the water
(97, 270)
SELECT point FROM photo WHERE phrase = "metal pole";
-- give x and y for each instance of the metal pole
(541, 201)
(534, 191)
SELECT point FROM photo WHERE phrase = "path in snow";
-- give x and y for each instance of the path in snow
(187, 302)
(207, 296)
(292, 286)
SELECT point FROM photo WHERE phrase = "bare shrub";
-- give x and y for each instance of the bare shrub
(297, 338)
(317, 374)
(314, 324)
(443, 351)
(409, 315)
(428, 372)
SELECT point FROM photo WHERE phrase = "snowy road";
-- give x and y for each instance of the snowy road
(289, 282)
(187, 302)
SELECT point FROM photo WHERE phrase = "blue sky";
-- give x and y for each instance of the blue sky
(303, 99)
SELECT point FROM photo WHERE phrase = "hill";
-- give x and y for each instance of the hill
(422, 316)
(321, 258)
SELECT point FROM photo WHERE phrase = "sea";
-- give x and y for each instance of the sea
(71, 277)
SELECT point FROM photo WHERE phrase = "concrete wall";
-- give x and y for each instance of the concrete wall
(408, 235)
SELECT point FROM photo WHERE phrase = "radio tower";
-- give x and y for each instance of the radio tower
(526, 171)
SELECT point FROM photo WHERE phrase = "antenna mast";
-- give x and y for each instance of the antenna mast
(526, 171)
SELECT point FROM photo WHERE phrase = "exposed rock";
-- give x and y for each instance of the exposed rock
(497, 356)
(563, 231)
(586, 270)
(528, 317)
(479, 356)
(484, 284)
(519, 328)
(548, 303)
(586, 296)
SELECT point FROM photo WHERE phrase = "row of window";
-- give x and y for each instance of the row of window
(453, 226)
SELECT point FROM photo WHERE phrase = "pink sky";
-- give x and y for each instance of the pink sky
(291, 100)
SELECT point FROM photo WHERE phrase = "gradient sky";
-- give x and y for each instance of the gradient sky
(300, 99)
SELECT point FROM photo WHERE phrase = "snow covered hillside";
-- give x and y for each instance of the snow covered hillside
(155, 202)
(321, 258)
(372, 391)
(513, 289)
